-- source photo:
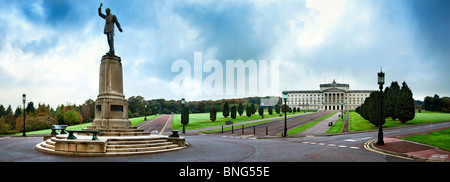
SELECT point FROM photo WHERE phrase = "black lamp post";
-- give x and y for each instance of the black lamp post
(380, 128)
(342, 110)
(182, 109)
(262, 105)
(145, 112)
(285, 111)
(24, 98)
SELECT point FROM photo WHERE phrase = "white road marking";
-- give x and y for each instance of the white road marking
(332, 145)
(357, 139)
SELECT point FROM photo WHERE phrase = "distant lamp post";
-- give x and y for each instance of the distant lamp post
(380, 128)
(285, 95)
(145, 112)
(24, 98)
(182, 109)
(342, 110)
(262, 105)
(182, 104)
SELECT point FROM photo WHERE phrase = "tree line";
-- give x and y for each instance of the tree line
(436, 103)
(398, 103)
(44, 116)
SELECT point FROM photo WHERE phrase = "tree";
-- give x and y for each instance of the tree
(277, 109)
(404, 109)
(88, 110)
(30, 107)
(427, 103)
(212, 114)
(284, 109)
(59, 116)
(185, 117)
(445, 104)
(248, 112)
(240, 109)
(370, 109)
(436, 104)
(9, 110)
(136, 105)
(253, 109)
(2, 110)
(71, 117)
(261, 111)
(226, 110)
(269, 109)
(390, 99)
(18, 112)
(42, 110)
(233, 112)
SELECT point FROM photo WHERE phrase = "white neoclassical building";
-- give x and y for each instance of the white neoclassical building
(331, 96)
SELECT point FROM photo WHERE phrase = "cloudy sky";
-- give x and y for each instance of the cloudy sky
(51, 50)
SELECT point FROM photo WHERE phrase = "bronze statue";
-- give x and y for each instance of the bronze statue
(109, 27)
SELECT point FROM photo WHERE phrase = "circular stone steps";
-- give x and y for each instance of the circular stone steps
(112, 145)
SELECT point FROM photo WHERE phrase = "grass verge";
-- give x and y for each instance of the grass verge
(440, 139)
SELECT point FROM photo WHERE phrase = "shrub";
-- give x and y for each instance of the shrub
(212, 114)
(6, 128)
(226, 110)
(233, 112)
(260, 111)
(404, 109)
(35, 123)
(240, 109)
(70, 117)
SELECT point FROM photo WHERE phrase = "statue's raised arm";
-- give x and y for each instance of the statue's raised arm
(100, 11)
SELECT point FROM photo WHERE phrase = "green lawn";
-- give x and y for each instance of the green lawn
(358, 123)
(440, 139)
(201, 120)
(245, 125)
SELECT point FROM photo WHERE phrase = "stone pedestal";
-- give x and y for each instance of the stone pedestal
(111, 107)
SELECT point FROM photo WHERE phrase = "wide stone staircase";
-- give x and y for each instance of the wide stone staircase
(115, 131)
(111, 142)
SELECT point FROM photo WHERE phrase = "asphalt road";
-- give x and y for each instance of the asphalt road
(233, 148)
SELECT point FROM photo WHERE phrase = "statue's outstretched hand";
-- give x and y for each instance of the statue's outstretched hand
(101, 4)
(120, 30)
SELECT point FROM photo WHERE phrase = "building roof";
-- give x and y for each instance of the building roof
(332, 87)
(334, 84)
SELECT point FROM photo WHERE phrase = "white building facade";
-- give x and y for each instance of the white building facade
(331, 97)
